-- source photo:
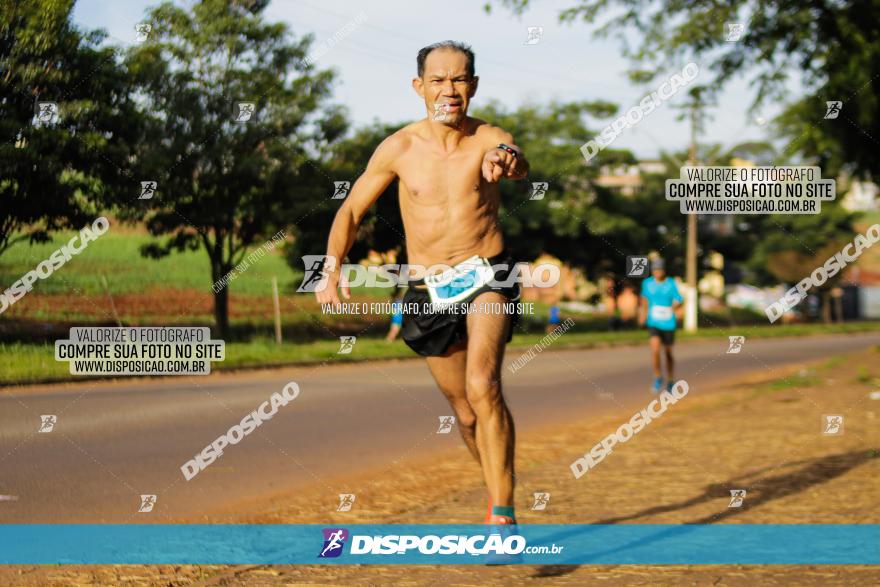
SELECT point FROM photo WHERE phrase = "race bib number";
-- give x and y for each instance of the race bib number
(661, 313)
(457, 283)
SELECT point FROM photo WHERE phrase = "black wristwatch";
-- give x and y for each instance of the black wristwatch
(507, 148)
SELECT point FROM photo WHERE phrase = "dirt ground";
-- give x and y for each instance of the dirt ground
(763, 435)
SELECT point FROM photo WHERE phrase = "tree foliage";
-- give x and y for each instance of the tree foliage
(58, 175)
(223, 183)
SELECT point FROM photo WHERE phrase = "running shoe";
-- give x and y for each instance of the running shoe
(658, 385)
(669, 385)
(505, 526)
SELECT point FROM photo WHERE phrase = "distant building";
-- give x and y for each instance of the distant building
(626, 179)
(862, 196)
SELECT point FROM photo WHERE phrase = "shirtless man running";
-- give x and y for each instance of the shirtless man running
(449, 166)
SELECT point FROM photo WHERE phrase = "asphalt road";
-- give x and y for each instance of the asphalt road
(116, 440)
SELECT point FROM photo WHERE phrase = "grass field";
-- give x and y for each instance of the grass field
(176, 290)
(22, 363)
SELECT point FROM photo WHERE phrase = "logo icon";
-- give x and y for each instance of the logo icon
(541, 500)
(334, 541)
(446, 424)
(539, 188)
(735, 31)
(833, 109)
(736, 344)
(315, 275)
(832, 424)
(46, 113)
(346, 345)
(535, 34)
(142, 30)
(148, 190)
(736, 498)
(47, 423)
(636, 266)
(147, 503)
(346, 501)
(440, 112)
(340, 189)
(244, 111)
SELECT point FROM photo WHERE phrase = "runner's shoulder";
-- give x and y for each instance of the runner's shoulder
(393, 147)
(491, 133)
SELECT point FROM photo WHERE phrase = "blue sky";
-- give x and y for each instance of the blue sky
(377, 61)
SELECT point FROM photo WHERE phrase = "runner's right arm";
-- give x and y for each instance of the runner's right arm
(379, 174)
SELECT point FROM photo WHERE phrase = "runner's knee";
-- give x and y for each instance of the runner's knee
(466, 416)
(483, 392)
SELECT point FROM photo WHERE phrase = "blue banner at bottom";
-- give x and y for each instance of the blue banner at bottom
(815, 544)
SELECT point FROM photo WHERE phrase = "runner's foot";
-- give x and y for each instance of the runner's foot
(658, 385)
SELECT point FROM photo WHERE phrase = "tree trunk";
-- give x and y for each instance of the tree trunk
(221, 298)
(221, 312)
(826, 307)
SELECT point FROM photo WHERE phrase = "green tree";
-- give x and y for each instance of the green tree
(58, 175)
(834, 45)
(227, 176)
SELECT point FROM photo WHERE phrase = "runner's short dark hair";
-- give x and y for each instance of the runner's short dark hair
(455, 46)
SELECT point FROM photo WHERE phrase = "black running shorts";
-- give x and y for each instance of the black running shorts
(667, 337)
(432, 333)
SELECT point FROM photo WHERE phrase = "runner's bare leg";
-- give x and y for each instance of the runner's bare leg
(487, 335)
(449, 373)
(670, 362)
(655, 355)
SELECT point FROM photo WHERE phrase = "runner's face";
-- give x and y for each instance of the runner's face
(659, 274)
(446, 86)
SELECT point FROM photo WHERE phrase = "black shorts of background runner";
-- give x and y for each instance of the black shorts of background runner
(430, 334)
(667, 337)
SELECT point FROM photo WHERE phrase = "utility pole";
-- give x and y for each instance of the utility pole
(690, 306)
